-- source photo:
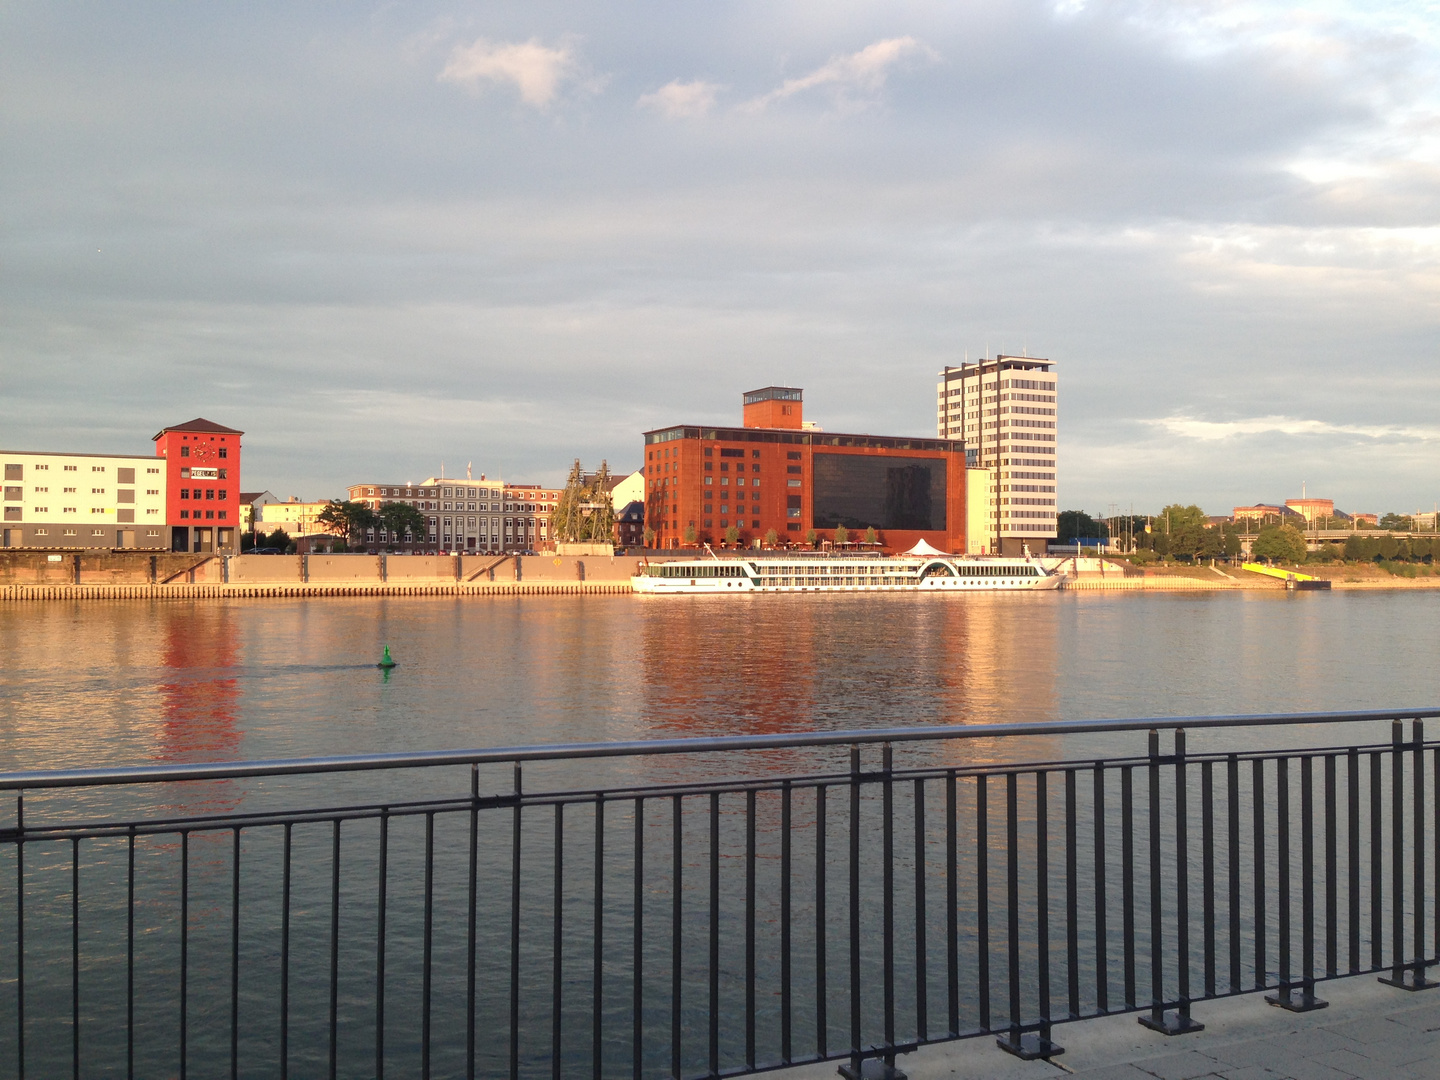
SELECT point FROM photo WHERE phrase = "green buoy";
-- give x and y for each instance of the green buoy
(385, 661)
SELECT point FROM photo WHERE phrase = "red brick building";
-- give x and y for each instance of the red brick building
(202, 483)
(776, 473)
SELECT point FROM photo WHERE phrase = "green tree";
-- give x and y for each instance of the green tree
(871, 536)
(1072, 525)
(346, 519)
(811, 537)
(277, 539)
(585, 511)
(1397, 522)
(1184, 529)
(649, 537)
(842, 534)
(772, 538)
(732, 536)
(1231, 541)
(398, 519)
(1280, 543)
(690, 534)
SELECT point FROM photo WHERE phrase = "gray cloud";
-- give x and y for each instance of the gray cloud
(289, 222)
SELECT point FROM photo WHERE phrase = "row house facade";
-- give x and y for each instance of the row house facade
(465, 515)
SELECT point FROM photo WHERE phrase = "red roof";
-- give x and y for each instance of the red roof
(199, 424)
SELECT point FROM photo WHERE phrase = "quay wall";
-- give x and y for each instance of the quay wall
(33, 575)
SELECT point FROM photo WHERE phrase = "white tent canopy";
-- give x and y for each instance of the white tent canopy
(922, 548)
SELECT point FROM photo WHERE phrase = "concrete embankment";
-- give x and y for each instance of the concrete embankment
(123, 575)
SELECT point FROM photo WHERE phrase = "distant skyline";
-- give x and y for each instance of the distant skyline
(376, 237)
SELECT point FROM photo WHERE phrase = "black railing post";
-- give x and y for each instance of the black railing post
(1102, 971)
(1232, 857)
(1409, 976)
(1207, 869)
(1072, 898)
(1159, 1019)
(1027, 1045)
(982, 899)
(1285, 997)
(1127, 878)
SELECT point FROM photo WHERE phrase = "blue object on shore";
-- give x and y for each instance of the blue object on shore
(385, 661)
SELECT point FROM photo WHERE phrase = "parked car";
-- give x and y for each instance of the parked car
(264, 551)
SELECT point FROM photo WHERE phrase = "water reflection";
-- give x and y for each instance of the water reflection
(199, 715)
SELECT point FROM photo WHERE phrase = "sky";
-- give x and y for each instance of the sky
(379, 238)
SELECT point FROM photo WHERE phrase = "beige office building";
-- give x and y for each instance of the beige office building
(467, 515)
(83, 501)
(1006, 412)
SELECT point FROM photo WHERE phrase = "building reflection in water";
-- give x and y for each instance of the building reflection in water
(199, 717)
(778, 664)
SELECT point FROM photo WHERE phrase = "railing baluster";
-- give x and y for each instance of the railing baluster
(952, 902)
(1332, 940)
(786, 1003)
(1102, 969)
(1407, 976)
(1044, 1046)
(1072, 898)
(1232, 857)
(1286, 997)
(922, 997)
(822, 1023)
(750, 928)
(20, 935)
(515, 825)
(1377, 867)
(75, 957)
(888, 900)
(677, 884)
(1158, 1018)
(1352, 858)
(1127, 877)
(982, 899)
(854, 872)
(427, 946)
(1207, 869)
(285, 958)
(557, 948)
(597, 1034)
(1262, 974)
(471, 929)
(334, 948)
(637, 1004)
(381, 913)
(130, 955)
(184, 952)
(714, 1057)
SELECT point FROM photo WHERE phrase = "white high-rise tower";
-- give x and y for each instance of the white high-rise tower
(1005, 410)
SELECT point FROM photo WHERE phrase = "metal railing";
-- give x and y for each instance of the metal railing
(704, 907)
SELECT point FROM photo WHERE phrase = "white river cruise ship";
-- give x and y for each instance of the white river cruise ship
(909, 572)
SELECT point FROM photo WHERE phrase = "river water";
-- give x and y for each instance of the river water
(138, 682)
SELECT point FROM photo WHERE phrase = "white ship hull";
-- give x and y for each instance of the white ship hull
(842, 574)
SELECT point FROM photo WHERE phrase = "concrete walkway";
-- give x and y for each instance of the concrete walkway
(1369, 1032)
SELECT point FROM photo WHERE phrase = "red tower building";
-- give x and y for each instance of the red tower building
(202, 482)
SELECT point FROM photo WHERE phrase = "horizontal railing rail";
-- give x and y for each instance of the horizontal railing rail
(695, 923)
(148, 774)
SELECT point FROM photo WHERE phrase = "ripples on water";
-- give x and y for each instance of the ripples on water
(131, 682)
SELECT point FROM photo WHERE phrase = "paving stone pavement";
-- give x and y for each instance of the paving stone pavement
(1368, 1032)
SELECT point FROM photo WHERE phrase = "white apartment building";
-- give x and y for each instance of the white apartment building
(83, 500)
(1005, 409)
(469, 515)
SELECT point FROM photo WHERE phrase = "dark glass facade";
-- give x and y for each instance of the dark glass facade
(886, 492)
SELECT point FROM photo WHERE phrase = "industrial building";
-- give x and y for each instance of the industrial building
(776, 472)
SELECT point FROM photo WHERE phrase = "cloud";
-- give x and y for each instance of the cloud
(536, 71)
(864, 71)
(681, 100)
(1211, 430)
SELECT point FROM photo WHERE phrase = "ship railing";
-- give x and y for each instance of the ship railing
(708, 906)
